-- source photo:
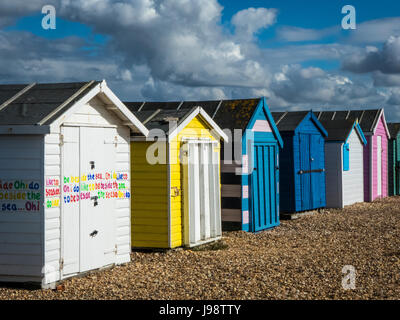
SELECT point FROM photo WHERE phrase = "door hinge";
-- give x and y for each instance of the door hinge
(116, 249)
(61, 263)
(61, 140)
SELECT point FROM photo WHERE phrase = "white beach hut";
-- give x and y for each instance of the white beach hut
(64, 180)
(344, 149)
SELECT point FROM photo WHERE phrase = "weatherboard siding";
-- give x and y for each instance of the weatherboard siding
(21, 236)
(149, 207)
(52, 208)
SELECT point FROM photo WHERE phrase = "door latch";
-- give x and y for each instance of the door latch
(95, 198)
(94, 233)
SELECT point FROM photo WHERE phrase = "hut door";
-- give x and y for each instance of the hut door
(97, 213)
(379, 165)
(70, 207)
(263, 187)
(305, 172)
(317, 172)
(202, 200)
(88, 229)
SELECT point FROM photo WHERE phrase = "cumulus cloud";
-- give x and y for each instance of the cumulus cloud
(374, 31)
(11, 10)
(181, 41)
(296, 34)
(178, 50)
(394, 98)
(386, 80)
(251, 20)
(297, 85)
(386, 60)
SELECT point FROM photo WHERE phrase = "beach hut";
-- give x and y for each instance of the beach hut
(176, 179)
(64, 180)
(302, 161)
(394, 159)
(374, 127)
(250, 161)
(344, 148)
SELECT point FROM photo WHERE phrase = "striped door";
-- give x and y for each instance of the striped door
(264, 195)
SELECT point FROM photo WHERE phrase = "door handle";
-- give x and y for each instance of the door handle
(95, 198)
(94, 233)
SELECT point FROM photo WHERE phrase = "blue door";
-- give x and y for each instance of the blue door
(312, 173)
(305, 172)
(264, 195)
(317, 145)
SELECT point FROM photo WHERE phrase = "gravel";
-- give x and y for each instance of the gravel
(301, 259)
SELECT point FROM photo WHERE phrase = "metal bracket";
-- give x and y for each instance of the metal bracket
(176, 193)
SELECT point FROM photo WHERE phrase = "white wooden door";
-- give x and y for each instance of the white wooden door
(203, 221)
(69, 207)
(92, 221)
(379, 164)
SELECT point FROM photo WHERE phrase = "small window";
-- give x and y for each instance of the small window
(346, 157)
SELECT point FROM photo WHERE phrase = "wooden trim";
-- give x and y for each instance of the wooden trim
(16, 96)
(65, 103)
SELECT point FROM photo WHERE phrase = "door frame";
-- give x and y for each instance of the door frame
(186, 193)
(252, 145)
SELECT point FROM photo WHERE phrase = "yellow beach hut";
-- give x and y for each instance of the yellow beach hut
(176, 189)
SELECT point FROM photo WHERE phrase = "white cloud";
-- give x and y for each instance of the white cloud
(249, 21)
(375, 31)
(179, 50)
(296, 34)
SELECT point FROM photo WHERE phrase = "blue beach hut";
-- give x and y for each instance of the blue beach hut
(302, 163)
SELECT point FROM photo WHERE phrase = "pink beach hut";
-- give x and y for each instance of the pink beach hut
(373, 124)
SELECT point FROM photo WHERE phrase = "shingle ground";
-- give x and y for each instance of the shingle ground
(301, 259)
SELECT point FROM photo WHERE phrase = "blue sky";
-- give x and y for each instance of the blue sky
(292, 52)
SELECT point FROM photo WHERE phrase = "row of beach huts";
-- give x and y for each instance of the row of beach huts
(84, 177)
